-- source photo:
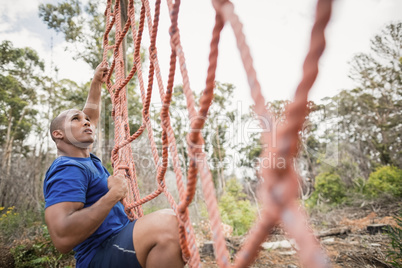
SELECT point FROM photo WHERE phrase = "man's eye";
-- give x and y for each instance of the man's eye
(89, 120)
(75, 118)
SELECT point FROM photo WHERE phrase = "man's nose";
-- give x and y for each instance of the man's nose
(87, 123)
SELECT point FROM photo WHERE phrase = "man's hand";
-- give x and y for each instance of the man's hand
(117, 186)
(100, 73)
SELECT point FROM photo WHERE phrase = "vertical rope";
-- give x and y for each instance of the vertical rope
(280, 185)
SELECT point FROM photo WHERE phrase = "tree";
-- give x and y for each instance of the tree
(20, 75)
(82, 27)
(20, 81)
(369, 115)
(310, 143)
(29, 101)
(218, 132)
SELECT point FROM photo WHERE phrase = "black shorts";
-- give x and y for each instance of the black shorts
(117, 251)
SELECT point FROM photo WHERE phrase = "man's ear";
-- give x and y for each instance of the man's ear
(58, 134)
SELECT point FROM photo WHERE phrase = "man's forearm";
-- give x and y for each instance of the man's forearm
(80, 224)
(93, 104)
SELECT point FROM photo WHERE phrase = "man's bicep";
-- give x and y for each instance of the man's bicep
(60, 226)
(55, 215)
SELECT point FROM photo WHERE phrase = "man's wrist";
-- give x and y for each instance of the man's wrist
(96, 81)
(112, 197)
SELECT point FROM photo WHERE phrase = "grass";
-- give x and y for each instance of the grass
(25, 232)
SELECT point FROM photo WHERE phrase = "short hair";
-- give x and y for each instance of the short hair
(57, 123)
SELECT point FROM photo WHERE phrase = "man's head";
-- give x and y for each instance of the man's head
(72, 127)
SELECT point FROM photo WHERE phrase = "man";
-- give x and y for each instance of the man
(83, 209)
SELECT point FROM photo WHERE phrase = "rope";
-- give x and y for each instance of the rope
(279, 188)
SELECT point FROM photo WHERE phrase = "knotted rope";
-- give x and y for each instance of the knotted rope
(280, 184)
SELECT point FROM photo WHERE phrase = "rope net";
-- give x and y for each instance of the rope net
(280, 186)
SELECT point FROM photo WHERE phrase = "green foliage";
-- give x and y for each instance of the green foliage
(39, 253)
(346, 168)
(149, 208)
(32, 246)
(395, 251)
(386, 179)
(12, 223)
(235, 210)
(63, 18)
(14, 103)
(20, 70)
(359, 185)
(21, 62)
(329, 189)
(108, 166)
(82, 25)
(7, 221)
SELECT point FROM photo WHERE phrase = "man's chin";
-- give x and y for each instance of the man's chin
(84, 144)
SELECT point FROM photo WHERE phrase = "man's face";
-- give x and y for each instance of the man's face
(77, 129)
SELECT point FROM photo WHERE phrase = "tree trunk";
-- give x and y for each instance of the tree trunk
(221, 177)
(254, 197)
(98, 149)
(8, 148)
(124, 17)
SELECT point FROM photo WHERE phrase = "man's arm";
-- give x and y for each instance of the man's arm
(93, 103)
(70, 224)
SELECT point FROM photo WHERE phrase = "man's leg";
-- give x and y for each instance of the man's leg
(156, 240)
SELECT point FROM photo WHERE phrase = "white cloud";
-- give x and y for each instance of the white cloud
(17, 9)
(68, 67)
(15, 16)
(12, 28)
(20, 15)
(25, 38)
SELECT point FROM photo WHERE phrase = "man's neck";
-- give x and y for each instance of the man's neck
(73, 151)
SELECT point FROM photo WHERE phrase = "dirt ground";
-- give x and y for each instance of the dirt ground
(343, 235)
(352, 250)
(344, 238)
(6, 259)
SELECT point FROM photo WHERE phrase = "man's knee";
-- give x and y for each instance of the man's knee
(167, 211)
(161, 227)
(169, 226)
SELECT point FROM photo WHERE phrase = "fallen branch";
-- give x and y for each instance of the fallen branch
(334, 232)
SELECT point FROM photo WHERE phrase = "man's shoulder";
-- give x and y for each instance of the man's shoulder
(74, 164)
(65, 164)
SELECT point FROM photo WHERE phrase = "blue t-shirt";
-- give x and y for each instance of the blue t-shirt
(74, 179)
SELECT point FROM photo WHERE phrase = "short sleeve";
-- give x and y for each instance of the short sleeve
(68, 183)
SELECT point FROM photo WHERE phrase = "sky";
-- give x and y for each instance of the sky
(277, 31)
